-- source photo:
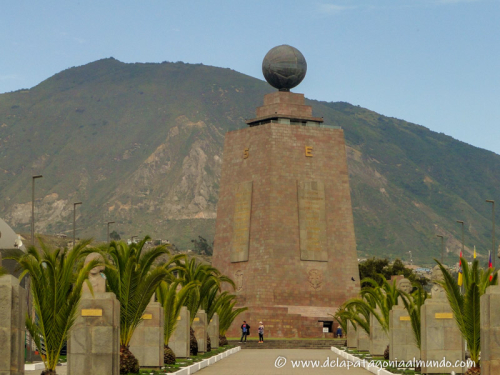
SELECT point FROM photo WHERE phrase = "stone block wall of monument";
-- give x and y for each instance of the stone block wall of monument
(284, 229)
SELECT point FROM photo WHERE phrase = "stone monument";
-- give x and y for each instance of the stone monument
(378, 337)
(94, 339)
(200, 330)
(148, 341)
(12, 328)
(352, 335)
(439, 333)
(180, 339)
(284, 216)
(213, 331)
(363, 340)
(402, 345)
(490, 331)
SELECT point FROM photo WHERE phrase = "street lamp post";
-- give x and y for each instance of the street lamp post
(492, 231)
(33, 208)
(28, 280)
(109, 222)
(74, 222)
(461, 222)
(442, 247)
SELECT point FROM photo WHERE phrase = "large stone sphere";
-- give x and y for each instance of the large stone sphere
(284, 67)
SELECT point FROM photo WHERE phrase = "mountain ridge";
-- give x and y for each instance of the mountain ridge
(141, 143)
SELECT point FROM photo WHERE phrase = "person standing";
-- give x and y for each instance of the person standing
(245, 331)
(261, 333)
(339, 332)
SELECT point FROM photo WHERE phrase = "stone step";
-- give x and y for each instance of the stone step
(289, 344)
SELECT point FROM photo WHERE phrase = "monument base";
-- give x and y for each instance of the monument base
(94, 339)
(440, 337)
(363, 340)
(402, 346)
(148, 343)
(180, 339)
(12, 326)
(490, 331)
(378, 338)
(352, 335)
(279, 323)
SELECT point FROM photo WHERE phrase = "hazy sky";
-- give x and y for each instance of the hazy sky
(432, 62)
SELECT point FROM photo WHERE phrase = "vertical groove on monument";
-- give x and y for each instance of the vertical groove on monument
(284, 229)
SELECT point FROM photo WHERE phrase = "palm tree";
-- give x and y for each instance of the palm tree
(380, 299)
(57, 277)
(208, 277)
(172, 300)
(133, 278)
(466, 307)
(227, 315)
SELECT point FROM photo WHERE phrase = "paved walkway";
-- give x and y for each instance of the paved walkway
(263, 362)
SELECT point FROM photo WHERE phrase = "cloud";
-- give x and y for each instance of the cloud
(456, 1)
(7, 77)
(331, 9)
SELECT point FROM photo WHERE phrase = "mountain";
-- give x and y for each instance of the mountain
(141, 145)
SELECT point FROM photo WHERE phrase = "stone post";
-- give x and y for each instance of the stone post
(378, 337)
(94, 339)
(213, 331)
(148, 342)
(490, 331)
(352, 335)
(12, 328)
(439, 333)
(363, 340)
(179, 341)
(402, 345)
(200, 330)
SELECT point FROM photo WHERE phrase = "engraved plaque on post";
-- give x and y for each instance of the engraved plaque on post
(91, 312)
(312, 220)
(241, 222)
(443, 316)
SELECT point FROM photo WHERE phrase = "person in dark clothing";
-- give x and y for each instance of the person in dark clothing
(339, 332)
(261, 333)
(245, 331)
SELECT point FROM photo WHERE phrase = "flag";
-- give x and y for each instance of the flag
(460, 276)
(474, 251)
(490, 265)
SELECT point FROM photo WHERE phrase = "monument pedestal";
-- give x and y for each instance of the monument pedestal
(363, 340)
(402, 346)
(12, 327)
(94, 339)
(378, 337)
(213, 331)
(179, 341)
(200, 330)
(440, 337)
(352, 336)
(148, 342)
(490, 331)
